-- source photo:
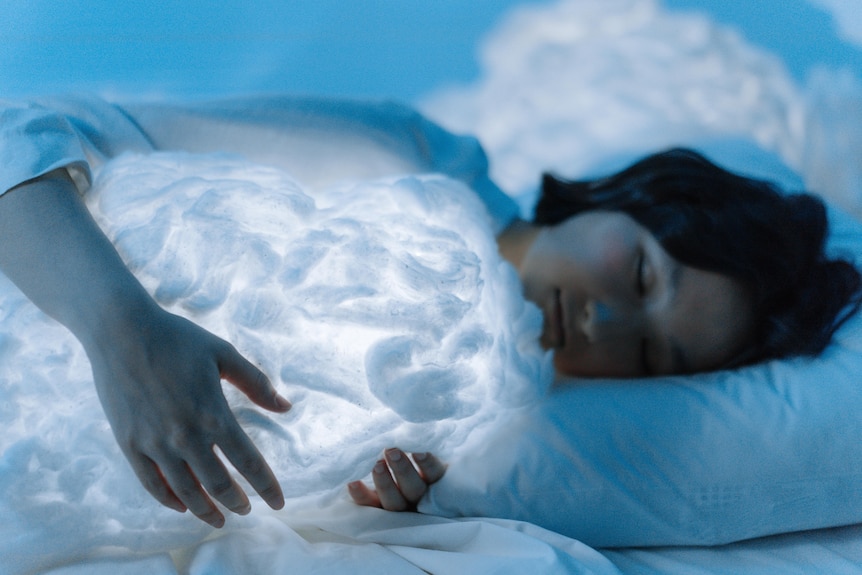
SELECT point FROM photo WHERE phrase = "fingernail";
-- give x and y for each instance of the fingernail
(420, 457)
(393, 455)
(380, 467)
(282, 403)
(353, 486)
(277, 502)
(244, 510)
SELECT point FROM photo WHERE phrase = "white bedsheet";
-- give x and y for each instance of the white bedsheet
(343, 538)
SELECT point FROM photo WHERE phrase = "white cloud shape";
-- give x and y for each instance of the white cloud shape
(848, 18)
(569, 85)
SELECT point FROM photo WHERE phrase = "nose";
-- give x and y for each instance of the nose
(602, 321)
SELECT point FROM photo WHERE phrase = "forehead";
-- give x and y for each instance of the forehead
(598, 234)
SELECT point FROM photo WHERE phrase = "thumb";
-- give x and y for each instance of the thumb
(250, 380)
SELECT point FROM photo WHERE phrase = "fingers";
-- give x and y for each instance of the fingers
(390, 496)
(217, 481)
(187, 488)
(245, 457)
(362, 495)
(432, 468)
(410, 485)
(154, 482)
(183, 486)
(234, 443)
(398, 484)
(185, 475)
(250, 380)
(163, 398)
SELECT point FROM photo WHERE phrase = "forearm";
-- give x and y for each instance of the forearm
(157, 374)
(52, 249)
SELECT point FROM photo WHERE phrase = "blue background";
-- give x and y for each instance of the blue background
(393, 48)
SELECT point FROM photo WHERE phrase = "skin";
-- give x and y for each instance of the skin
(399, 483)
(616, 304)
(158, 375)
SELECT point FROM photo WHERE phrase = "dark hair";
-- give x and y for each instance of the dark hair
(744, 228)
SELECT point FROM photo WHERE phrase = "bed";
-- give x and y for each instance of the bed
(585, 476)
(754, 471)
(637, 77)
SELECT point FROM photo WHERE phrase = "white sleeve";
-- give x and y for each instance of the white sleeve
(34, 142)
(78, 134)
(319, 140)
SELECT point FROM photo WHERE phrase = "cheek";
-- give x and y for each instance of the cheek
(613, 254)
(597, 246)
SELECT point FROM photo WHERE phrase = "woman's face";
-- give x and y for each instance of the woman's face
(616, 304)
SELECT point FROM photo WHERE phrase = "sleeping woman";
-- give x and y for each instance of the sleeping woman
(673, 265)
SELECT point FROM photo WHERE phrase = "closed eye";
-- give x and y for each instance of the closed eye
(640, 281)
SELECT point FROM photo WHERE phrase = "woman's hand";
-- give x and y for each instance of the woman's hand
(158, 377)
(399, 483)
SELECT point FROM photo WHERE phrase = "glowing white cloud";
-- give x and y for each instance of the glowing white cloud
(567, 85)
(381, 309)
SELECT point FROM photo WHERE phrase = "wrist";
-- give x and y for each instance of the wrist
(54, 251)
(113, 312)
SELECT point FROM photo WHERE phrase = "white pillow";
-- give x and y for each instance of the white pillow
(696, 460)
